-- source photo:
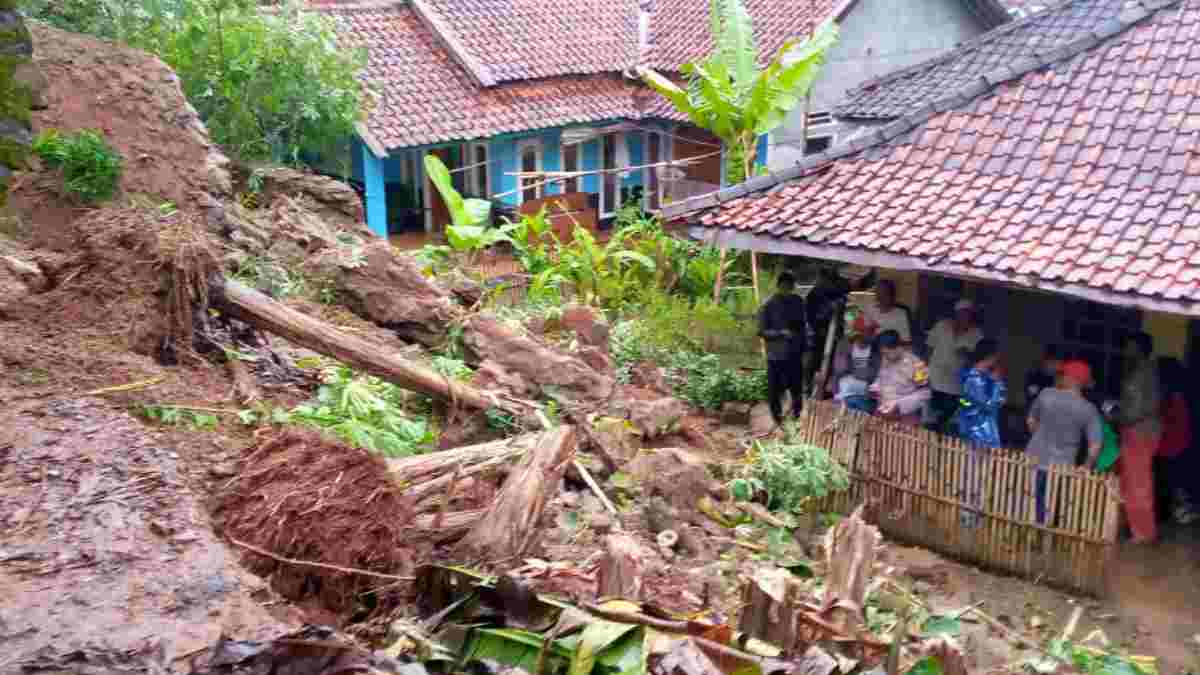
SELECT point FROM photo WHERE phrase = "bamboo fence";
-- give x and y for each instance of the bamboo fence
(926, 489)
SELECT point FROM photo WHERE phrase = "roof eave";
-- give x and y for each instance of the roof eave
(749, 241)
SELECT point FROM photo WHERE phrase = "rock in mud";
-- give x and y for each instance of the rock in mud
(541, 365)
(680, 478)
(761, 421)
(588, 324)
(18, 280)
(657, 418)
(383, 286)
(735, 413)
(331, 200)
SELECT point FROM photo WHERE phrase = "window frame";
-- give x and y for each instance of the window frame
(539, 151)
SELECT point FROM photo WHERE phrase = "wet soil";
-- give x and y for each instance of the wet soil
(105, 545)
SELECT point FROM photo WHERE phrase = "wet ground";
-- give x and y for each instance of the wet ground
(106, 554)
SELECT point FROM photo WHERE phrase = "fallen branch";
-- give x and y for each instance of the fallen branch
(591, 483)
(309, 563)
(132, 386)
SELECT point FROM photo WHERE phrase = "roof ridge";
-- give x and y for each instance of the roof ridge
(957, 52)
(457, 49)
(1128, 17)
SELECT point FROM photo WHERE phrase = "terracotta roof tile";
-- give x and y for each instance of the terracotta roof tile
(425, 97)
(1107, 208)
(514, 40)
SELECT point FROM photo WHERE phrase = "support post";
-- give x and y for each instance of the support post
(376, 190)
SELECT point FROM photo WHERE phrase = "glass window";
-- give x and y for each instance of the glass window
(654, 156)
(530, 163)
(481, 171)
(570, 162)
(817, 145)
(608, 198)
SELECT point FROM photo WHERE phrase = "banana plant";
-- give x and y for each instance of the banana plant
(731, 96)
(603, 275)
(468, 231)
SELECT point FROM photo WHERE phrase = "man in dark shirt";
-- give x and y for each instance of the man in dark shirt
(1045, 376)
(781, 324)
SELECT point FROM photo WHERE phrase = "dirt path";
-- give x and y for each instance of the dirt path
(106, 554)
(1153, 607)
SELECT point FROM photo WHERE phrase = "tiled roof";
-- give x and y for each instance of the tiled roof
(424, 97)
(894, 94)
(1076, 172)
(680, 28)
(511, 40)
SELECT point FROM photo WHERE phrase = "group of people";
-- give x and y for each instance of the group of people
(961, 388)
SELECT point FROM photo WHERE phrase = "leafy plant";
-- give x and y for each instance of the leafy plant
(468, 231)
(730, 95)
(789, 473)
(90, 167)
(365, 412)
(452, 368)
(269, 84)
(174, 416)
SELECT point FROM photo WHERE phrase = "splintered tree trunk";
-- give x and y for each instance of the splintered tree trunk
(620, 573)
(423, 474)
(511, 526)
(263, 313)
(454, 523)
(850, 550)
(771, 603)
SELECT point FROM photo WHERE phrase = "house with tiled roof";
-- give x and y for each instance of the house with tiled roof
(512, 94)
(1049, 169)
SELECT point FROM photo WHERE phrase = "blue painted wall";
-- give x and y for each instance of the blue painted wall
(552, 156)
(589, 160)
(372, 172)
(635, 143)
(502, 158)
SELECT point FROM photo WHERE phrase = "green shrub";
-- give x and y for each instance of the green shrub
(789, 473)
(90, 167)
(269, 84)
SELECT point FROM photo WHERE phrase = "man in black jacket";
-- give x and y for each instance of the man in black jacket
(781, 323)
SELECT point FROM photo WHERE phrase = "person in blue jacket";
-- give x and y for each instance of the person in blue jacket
(978, 419)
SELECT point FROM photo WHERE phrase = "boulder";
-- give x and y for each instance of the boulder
(658, 417)
(488, 339)
(597, 359)
(588, 324)
(761, 421)
(18, 280)
(676, 476)
(388, 288)
(329, 198)
(735, 413)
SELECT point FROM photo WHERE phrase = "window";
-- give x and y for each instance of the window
(531, 162)
(819, 118)
(479, 172)
(1096, 333)
(608, 162)
(654, 155)
(456, 160)
(570, 162)
(817, 145)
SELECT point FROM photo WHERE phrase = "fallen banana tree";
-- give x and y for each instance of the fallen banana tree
(265, 314)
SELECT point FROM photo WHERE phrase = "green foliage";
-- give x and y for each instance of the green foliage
(90, 167)
(365, 412)
(728, 93)
(469, 231)
(452, 368)
(790, 473)
(174, 416)
(1087, 660)
(269, 84)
